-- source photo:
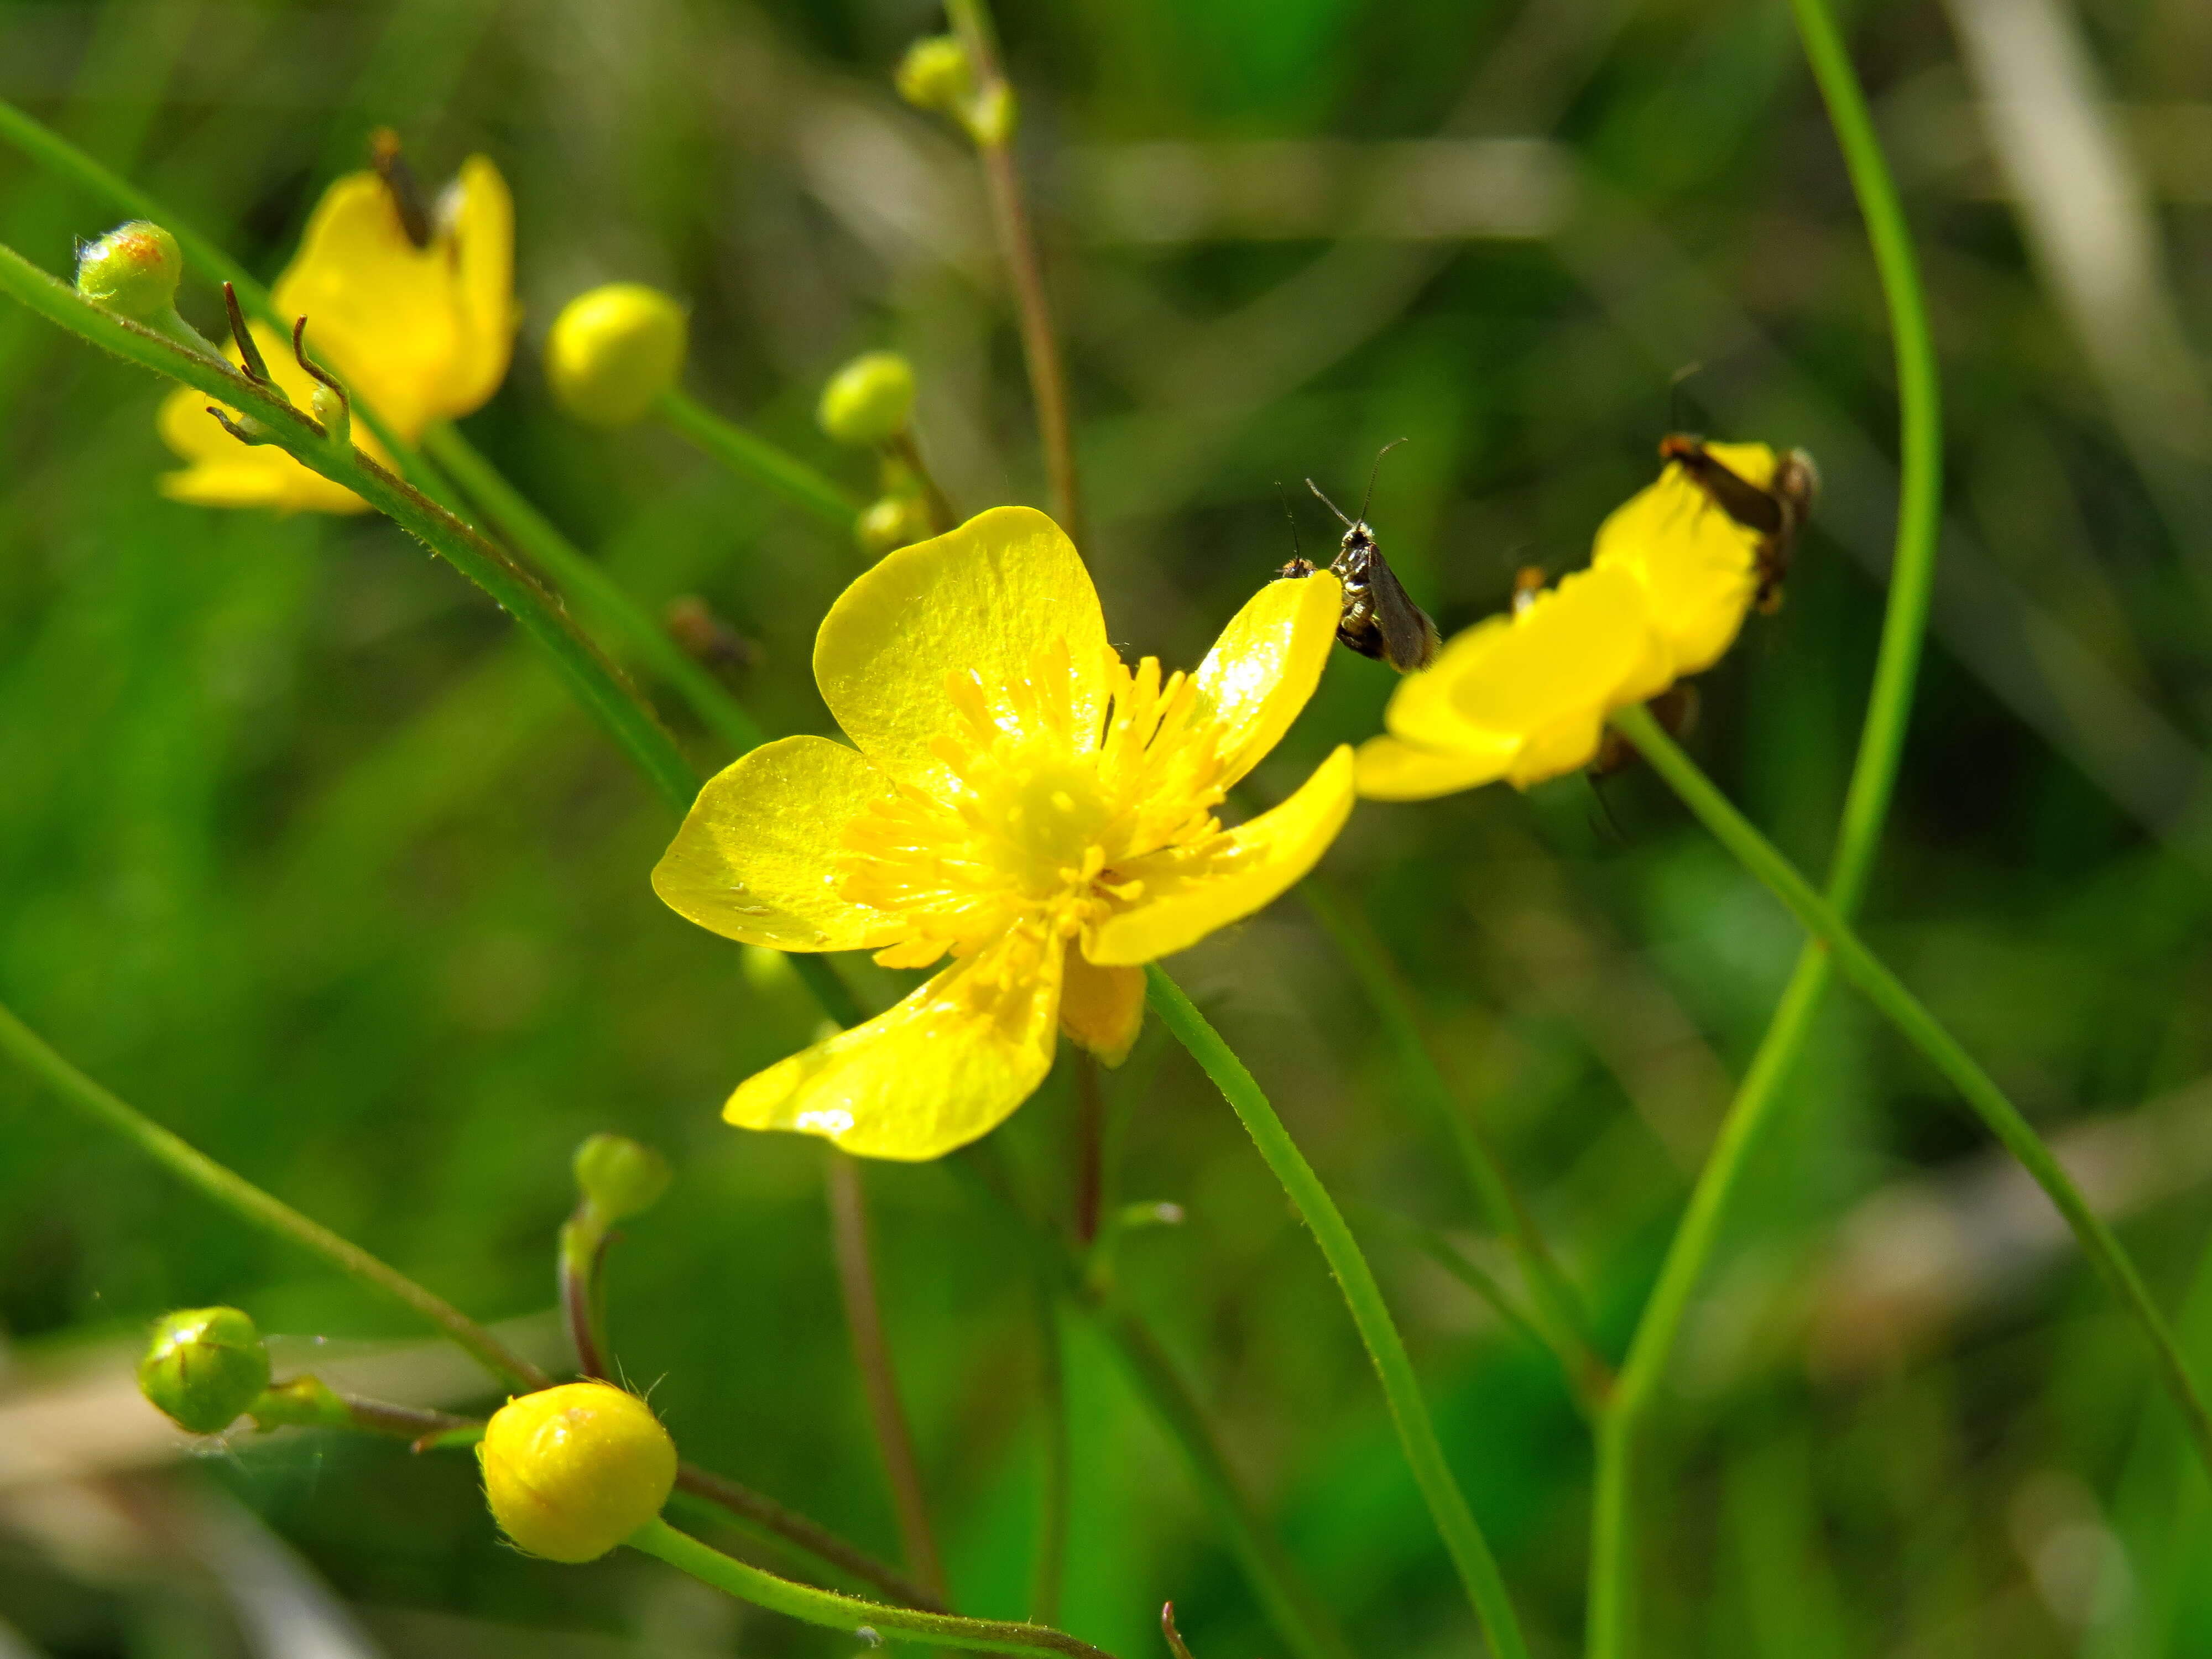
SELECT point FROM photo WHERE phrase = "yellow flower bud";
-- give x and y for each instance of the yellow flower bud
(935, 74)
(133, 271)
(619, 1176)
(203, 1367)
(869, 401)
(894, 521)
(613, 352)
(571, 1472)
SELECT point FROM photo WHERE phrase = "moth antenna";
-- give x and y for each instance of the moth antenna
(1329, 504)
(1284, 502)
(1369, 497)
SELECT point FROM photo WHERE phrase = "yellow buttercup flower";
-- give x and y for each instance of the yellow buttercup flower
(1524, 697)
(1021, 800)
(417, 334)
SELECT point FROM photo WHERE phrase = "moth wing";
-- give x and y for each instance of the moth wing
(1409, 636)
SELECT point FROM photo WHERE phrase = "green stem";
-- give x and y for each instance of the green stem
(1002, 183)
(593, 680)
(849, 1613)
(1866, 805)
(241, 1196)
(1447, 1256)
(525, 527)
(871, 1357)
(1563, 1324)
(1417, 1434)
(1904, 1011)
(1302, 1618)
(810, 1538)
(757, 460)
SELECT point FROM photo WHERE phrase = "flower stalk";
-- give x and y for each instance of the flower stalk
(755, 459)
(1417, 1434)
(1002, 183)
(849, 1613)
(1880, 987)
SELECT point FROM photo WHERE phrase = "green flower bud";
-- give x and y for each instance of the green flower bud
(935, 74)
(571, 1472)
(620, 1177)
(132, 271)
(613, 352)
(204, 1367)
(894, 521)
(869, 401)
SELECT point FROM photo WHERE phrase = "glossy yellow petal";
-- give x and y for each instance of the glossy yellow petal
(946, 1065)
(756, 858)
(1102, 1008)
(1697, 565)
(483, 236)
(224, 472)
(1567, 745)
(1391, 769)
(381, 313)
(989, 598)
(1188, 895)
(1587, 644)
(1264, 667)
(1423, 709)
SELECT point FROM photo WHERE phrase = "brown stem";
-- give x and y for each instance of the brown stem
(1002, 182)
(942, 517)
(810, 1536)
(1090, 1148)
(871, 1354)
(583, 1250)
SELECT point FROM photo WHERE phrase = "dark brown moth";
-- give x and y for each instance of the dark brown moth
(402, 186)
(1379, 619)
(1775, 513)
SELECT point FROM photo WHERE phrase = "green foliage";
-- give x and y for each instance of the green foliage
(301, 849)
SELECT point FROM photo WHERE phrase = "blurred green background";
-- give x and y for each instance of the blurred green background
(303, 851)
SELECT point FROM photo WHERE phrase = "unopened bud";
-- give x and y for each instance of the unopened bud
(935, 74)
(895, 521)
(204, 1367)
(991, 116)
(133, 271)
(571, 1472)
(764, 969)
(614, 351)
(619, 1176)
(869, 401)
(301, 1402)
(334, 413)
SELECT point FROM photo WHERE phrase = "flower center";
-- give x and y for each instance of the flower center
(1047, 807)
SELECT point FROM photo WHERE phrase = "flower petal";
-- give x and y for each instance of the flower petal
(1587, 644)
(1390, 769)
(482, 231)
(1188, 895)
(754, 860)
(1102, 1008)
(1423, 710)
(381, 311)
(1264, 667)
(946, 1065)
(985, 598)
(1697, 565)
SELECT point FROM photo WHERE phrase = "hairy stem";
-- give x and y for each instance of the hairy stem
(1002, 183)
(872, 1355)
(242, 1198)
(757, 460)
(1866, 805)
(810, 1538)
(528, 530)
(1417, 1433)
(849, 1613)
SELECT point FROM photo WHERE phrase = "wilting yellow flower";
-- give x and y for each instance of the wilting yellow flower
(1524, 697)
(1021, 799)
(416, 334)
